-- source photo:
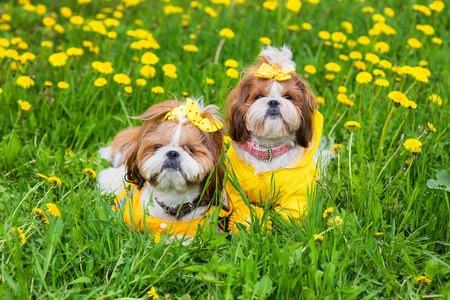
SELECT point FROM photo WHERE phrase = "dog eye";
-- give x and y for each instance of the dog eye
(288, 97)
(191, 150)
(156, 148)
(259, 96)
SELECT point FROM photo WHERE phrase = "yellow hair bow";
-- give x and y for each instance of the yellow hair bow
(271, 71)
(192, 112)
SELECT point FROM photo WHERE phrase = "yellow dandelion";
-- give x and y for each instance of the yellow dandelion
(53, 210)
(413, 145)
(398, 97)
(333, 67)
(337, 148)
(24, 105)
(41, 215)
(231, 63)
(55, 181)
(270, 4)
(265, 40)
(436, 99)
(58, 59)
(324, 35)
(190, 48)
(328, 211)
(437, 6)
(158, 90)
(89, 173)
(141, 82)
(310, 69)
(293, 27)
(210, 11)
(152, 293)
(363, 40)
(436, 40)
(209, 81)
(423, 280)
(320, 100)
(414, 43)
(335, 222)
(227, 33)
(128, 89)
(149, 58)
(351, 125)
(122, 78)
(364, 77)
(382, 82)
(431, 127)
(329, 77)
(294, 5)
(22, 237)
(373, 58)
(147, 71)
(318, 238)
(63, 85)
(24, 81)
(99, 82)
(232, 73)
(378, 234)
(40, 176)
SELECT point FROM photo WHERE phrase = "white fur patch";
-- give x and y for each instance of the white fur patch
(282, 56)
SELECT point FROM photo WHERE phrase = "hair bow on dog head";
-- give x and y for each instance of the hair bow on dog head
(192, 112)
(274, 71)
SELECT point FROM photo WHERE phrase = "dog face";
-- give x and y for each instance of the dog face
(176, 155)
(269, 108)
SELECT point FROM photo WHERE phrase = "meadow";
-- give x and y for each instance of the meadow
(73, 72)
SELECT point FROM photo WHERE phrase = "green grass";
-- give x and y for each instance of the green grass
(90, 253)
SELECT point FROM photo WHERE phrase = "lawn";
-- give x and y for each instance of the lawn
(73, 72)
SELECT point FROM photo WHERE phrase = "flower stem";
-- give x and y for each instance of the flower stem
(382, 170)
(29, 192)
(337, 122)
(350, 161)
(383, 133)
(216, 58)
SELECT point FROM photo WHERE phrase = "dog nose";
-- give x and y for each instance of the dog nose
(273, 103)
(172, 154)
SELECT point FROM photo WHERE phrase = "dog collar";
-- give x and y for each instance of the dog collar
(264, 153)
(182, 210)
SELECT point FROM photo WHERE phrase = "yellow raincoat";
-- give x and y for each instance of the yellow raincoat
(286, 189)
(128, 202)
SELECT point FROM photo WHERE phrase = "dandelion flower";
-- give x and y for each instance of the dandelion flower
(293, 27)
(294, 5)
(25, 82)
(318, 238)
(22, 237)
(24, 105)
(413, 145)
(128, 89)
(378, 234)
(89, 173)
(265, 40)
(423, 280)
(389, 12)
(310, 69)
(53, 210)
(158, 90)
(414, 43)
(363, 40)
(231, 63)
(152, 293)
(40, 176)
(352, 125)
(210, 11)
(324, 35)
(329, 77)
(373, 58)
(338, 37)
(381, 82)
(147, 71)
(364, 77)
(342, 89)
(122, 78)
(333, 67)
(149, 58)
(209, 81)
(335, 222)
(423, 9)
(320, 100)
(63, 85)
(360, 65)
(55, 181)
(58, 59)
(227, 33)
(100, 82)
(381, 47)
(337, 148)
(270, 5)
(436, 99)
(431, 127)
(232, 73)
(190, 48)
(41, 215)
(398, 97)
(437, 6)
(141, 82)
(327, 212)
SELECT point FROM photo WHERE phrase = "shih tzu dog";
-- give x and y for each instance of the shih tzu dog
(171, 164)
(275, 130)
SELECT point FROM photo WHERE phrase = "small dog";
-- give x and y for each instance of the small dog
(168, 161)
(275, 131)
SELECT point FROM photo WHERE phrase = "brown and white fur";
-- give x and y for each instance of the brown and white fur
(271, 113)
(174, 157)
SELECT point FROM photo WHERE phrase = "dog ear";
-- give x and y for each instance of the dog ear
(235, 114)
(157, 112)
(308, 106)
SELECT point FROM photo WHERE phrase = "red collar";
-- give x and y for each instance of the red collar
(264, 153)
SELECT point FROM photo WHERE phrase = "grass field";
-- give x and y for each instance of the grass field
(392, 235)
